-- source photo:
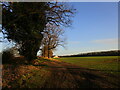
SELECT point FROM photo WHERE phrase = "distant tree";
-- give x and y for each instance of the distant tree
(52, 39)
(23, 22)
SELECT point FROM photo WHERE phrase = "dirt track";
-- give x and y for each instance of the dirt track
(64, 75)
(56, 74)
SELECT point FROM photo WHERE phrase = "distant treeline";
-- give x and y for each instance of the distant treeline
(102, 53)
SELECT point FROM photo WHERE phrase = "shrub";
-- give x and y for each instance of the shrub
(7, 56)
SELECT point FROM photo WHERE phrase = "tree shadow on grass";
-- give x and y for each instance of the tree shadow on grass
(76, 77)
(94, 78)
(64, 75)
(71, 79)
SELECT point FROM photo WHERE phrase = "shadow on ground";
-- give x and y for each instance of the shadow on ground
(70, 76)
(56, 74)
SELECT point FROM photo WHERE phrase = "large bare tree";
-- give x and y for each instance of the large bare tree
(52, 39)
(23, 22)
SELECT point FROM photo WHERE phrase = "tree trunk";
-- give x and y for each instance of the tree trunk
(30, 48)
(48, 52)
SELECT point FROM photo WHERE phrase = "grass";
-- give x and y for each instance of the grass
(50, 73)
(34, 79)
(20, 74)
(103, 63)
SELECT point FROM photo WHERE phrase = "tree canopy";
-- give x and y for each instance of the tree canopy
(23, 22)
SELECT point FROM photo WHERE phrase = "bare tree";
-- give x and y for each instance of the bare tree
(59, 13)
(52, 39)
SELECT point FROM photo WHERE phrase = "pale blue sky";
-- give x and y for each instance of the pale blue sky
(94, 28)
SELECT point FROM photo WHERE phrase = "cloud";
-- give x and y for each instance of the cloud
(74, 42)
(106, 41)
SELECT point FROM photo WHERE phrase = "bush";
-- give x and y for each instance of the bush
(7, 56)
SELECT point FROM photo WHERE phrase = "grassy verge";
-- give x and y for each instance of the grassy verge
(24, 74)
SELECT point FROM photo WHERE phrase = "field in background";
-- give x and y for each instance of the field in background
(107, 64)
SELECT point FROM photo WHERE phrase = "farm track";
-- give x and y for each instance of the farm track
(65, 75)
(58, 74)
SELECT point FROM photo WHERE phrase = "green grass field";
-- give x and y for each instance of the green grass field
(102, 63)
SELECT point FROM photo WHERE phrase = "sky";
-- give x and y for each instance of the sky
(94, 28)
